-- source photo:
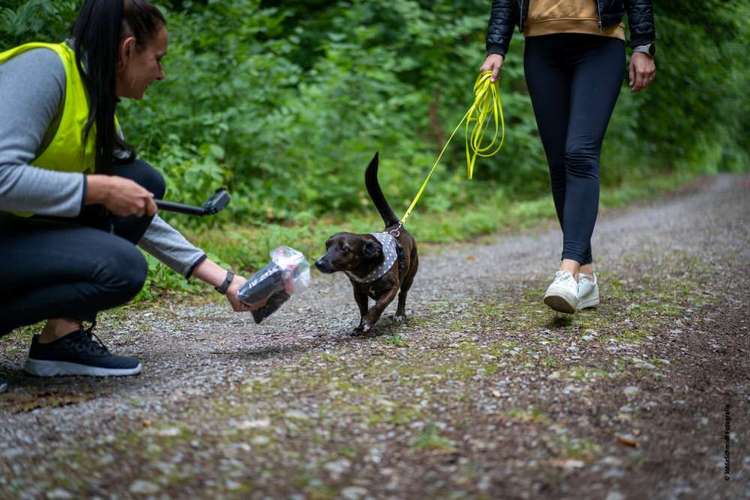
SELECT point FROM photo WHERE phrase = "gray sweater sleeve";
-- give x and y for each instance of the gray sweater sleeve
(169, 246)
(32, 89)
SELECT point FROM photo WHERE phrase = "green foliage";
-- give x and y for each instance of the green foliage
(24, 21)
(286, 102)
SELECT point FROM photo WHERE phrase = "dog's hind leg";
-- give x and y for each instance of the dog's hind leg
(405, 286)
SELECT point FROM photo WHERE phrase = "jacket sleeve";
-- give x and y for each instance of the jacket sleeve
(503, 18)
(169, 246)
(641, 22)
(32, 89)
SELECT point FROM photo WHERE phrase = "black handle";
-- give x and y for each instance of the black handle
(216, 203)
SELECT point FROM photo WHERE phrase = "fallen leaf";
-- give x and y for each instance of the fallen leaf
(627, 440)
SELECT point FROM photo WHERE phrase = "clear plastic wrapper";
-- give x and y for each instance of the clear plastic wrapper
(287, 274)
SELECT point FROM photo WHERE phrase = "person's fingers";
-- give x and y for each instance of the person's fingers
(644, 79)
(631, 75)
(640, 82)
(649, 80)
(638, 77)
(495, 72)
(637, 82)
(150, 206)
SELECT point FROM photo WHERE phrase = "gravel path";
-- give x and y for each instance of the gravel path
(484, 393)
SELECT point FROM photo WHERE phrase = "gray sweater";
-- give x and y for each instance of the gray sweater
(32, 90)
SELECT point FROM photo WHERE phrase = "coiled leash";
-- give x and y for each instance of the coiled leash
(487, 106)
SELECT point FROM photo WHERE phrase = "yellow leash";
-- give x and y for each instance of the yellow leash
(487, 105)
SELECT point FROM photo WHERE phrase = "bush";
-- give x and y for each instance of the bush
(285, 102)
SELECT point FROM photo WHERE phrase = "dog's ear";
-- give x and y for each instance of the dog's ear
(372, 250)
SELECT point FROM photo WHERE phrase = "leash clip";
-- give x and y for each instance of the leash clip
(396, 231)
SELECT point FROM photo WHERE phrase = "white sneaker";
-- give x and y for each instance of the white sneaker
(588, 291)
(562, 294)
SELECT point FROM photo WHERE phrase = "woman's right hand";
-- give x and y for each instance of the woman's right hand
(493, 63)
(119, 195)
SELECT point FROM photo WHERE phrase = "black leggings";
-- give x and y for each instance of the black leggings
(574, 81)
(73, 268)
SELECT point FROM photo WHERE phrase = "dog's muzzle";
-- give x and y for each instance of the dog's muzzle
(324, 266)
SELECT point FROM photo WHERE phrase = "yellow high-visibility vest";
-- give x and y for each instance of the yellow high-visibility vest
(67, 152)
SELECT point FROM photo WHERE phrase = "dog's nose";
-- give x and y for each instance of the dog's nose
(322, 265)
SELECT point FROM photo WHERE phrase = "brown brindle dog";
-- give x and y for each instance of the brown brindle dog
(378, 264)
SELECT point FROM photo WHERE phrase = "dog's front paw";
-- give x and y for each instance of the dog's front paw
(362, 329)
(399, 318)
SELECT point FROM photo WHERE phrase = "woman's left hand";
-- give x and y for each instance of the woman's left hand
(642, 71)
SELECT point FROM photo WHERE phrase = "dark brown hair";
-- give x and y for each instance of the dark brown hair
(97, 32)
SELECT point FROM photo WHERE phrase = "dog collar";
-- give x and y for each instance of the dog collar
(390, 254)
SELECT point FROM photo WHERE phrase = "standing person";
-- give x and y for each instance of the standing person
(74, 200)
(574, 64)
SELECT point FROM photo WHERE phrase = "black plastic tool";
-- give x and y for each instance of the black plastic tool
(214, 204)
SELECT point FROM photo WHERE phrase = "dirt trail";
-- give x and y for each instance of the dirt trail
(485, 393)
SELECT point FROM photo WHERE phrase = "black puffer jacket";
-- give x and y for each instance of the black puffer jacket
(507, 13)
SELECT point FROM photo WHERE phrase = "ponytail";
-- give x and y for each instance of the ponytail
(97, 32)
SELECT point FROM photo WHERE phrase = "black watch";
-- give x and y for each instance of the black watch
(222, 289)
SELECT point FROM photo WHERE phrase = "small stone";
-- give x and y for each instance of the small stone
(12, 453)
(254, 424)
(169, 432)
(569, 464)
(570, 388)
(232, 485)
(611, 461)
(353, 492)
(614, 473)
(337, 468)
(141, 487)
(615, 495)
(59, 494)
(260, 440)
(631, 390)
(296, 414)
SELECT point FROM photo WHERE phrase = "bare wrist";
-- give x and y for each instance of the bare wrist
(98, 188)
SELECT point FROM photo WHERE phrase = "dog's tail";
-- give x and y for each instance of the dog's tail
(373, 189)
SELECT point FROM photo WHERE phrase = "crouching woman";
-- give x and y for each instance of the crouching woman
(74, 200)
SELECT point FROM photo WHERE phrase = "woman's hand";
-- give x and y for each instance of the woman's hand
(234, 300)
(213, 274)
(494, 63)
(642, 71)
(119, 195)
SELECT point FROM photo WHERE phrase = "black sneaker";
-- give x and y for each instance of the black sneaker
(78, 354)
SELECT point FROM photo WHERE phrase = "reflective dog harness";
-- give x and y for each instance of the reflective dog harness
(390, 254)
